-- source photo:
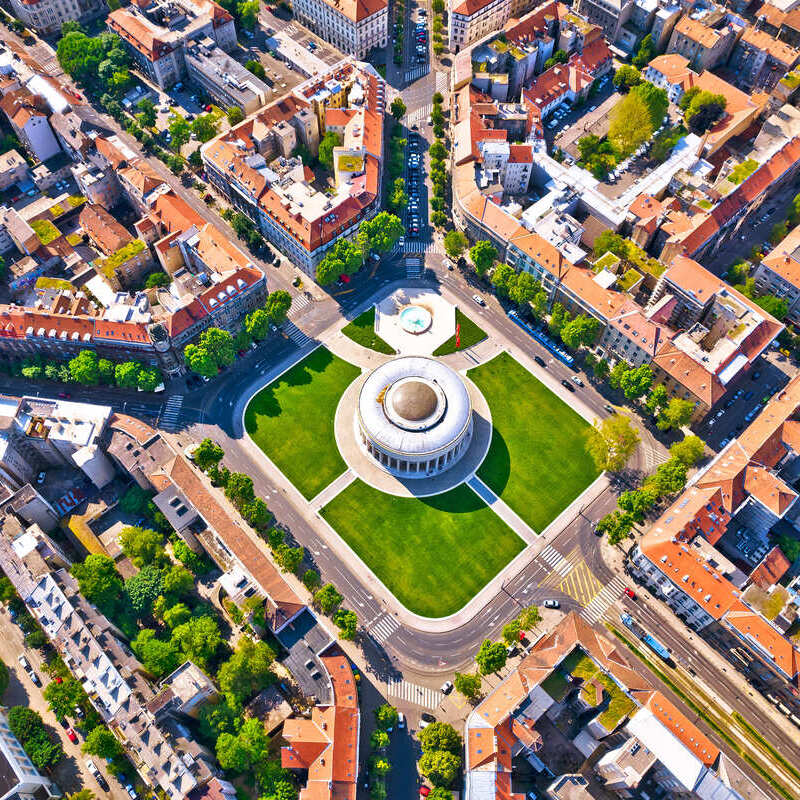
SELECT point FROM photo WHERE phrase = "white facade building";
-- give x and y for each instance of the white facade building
(470, 20)
(18, 777)
(353, 26)
(47, 16)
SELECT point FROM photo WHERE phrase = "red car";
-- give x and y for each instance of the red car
(424, 791)
(72, 736)
(629, 593)
(208, 108)
(58, 679)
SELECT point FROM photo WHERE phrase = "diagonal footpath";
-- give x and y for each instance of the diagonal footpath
(511, 518)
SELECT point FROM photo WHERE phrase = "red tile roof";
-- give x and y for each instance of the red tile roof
(772, 568)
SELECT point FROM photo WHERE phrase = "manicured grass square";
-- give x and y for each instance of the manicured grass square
(469, 332)
(362, 331)
(435, 553)
(537, 461)
(291, 420)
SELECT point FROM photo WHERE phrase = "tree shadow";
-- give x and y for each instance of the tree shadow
(495, 470)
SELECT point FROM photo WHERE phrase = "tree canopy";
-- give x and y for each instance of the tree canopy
(611, 442)
(491, 657)
(483, 255)
(247, 671)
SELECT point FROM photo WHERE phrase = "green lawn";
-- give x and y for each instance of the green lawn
(291, 420)
(362, 331)
(470, 334)
(537, 461)
(434, 554)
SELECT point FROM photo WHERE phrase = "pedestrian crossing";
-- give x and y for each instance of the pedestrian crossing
(384, 627)
(414, 267)
(555, 561)
(172, 411)
(290, 30)
(413, 693)
(299, 302)
(419, 115)
(295, 334)
(418, 246)
(442, 83)
(416, 73)
(654, 457)
(608, 595)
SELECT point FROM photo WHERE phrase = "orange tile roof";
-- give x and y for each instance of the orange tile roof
(139, 33)
(326, 746)
(683, 729)
(772, 492)
(141, 176)
(780, 51)
(358, 10)
(103, 229)
(784, 258)
(767, 640)
(774, 431)
(469, 8)
(645, 206)
(673, 66)
(175, 214)
(698, 32)
(772, 568)
(689, 373)
(594, 55)
(110, 152)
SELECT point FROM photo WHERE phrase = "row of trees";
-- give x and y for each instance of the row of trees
(346, 257)
(668, 479)
(437, 6)
(439, 175)
(216, 349)
(88, 369)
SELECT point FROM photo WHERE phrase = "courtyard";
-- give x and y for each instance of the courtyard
(434, 554)
(291, 420)
(537, 462)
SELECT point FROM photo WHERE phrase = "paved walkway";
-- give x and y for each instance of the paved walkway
(332, 489)
(510, 517)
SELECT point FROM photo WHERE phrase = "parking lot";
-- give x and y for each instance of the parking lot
(577, 122)
(416, 174)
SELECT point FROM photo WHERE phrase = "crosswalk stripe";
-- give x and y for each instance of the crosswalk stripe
(419, 114)
(383, 628)
(295, 334)
(172, 410)
(413, 693)
(417, 72)
(600, 602)
(442, 82)
(299, 301)
(417, 246)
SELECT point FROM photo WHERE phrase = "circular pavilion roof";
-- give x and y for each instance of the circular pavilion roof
(414, 405)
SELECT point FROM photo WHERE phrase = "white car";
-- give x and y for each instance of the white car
(576, 380)
(446, 687)
(479, 300)
(401, 721)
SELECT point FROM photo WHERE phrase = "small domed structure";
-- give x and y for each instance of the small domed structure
(414, 416)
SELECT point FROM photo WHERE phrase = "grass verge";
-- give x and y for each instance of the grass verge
(537, 461)
(470, 334)
(416, 546)
(291, 420)
(362, 331)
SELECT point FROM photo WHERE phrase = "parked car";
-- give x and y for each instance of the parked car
(425, 719)
(90, 765)
(567, 385)
(551, 604)
(446, 687)
(540, 361)
(479, 300)
(629, 593)
(72, 736)
(26, 666)
(576, 380)
(40, 478)
(401, 721)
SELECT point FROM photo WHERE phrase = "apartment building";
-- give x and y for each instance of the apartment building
(227, 82)
(704, 46)
(581, 666)
(782, 23)
(20, 778)
(470, 20)
(760, 61)
(47, 16)
(13, 169)
(610, 15)
(249, 163)
(28, 115)
(778, 273)
(355, 27)
(156, 34)
(103, 230)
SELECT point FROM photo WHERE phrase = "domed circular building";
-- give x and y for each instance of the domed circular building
(414, 417)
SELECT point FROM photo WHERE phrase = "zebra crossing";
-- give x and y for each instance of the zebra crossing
(295, 334)
(414, 267)
(418, 246)
(384, 628)
(416, 73)
(290, 30)
(555, 561)
(600, 603)
(654, 457)
(442, 83)
(299, 302)
(419, 115)
(172, 412)
(413, 693)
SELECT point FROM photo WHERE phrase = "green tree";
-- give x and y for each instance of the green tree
(582, 330)
(143, 588)
(195, 159)
(637, 503)
(347, 622)
(4, 679)
(239, 488)
(204, 127)
(385, 717)
(440, 793)
(380, 233)
(669, 478)
(676, 414)
(491, 657)
(529, 618)
(616, 526)
(81, 794)
(71, 25)
(657, 399)
(142, 545)
(399, 198)
(704, 109)
(559, 317)
(455, 243)
(379, 740)
(289, 558)
(208, 452)
(688, 451)
(256, 68)
(84, 368)
(235, 115)
(630, 124)
(180, 130)
(626, 77)
(635, 382)
(257, 514)
(147, 115)
(483, 255)
(175, 615)
(398, 108)
(63, 697)
(219, 345)
(468, 684)
(177, 582)
(440, 767)
(511, 632)
(248, 14)
(504, 276)
(199, 638)
(256, 323)
(218, 719)
(440, 736)
(247, 671)
(149, 379)
(26, 724)
(646, 52)
(245, 750)
(200, 360)
(277, 306)
(327, 599)
(126, 374)
(102, 743)
(7, 590)
(524, 289)
(98, 580)
(611, 442)
(329, 141)
(311, 579)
